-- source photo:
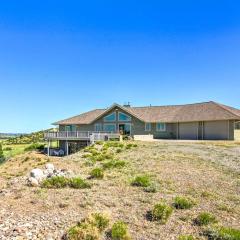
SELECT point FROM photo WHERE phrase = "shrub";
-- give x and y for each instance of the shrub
(222, 233)
(99, 220)
(186, 237)
(62, 182)
(78, 183)
(55, 182)
(113, 144)
(205, 218)
(34, 146)
(118, 150)
(84, 232)
(97, 173)
(120, 231)
(141, 181)
(90, 228)
(7, 149)
(1, 152)
(161, 212)
(151, 189)
(114, 164)
(183, 203)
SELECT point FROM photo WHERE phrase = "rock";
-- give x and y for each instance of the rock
(37, 174)
(33, 182)
(50, 166)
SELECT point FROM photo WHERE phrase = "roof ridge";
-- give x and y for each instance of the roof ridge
(225, 108)
(174, 105)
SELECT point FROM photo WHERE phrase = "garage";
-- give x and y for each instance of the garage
(188, 130)
(216, 130)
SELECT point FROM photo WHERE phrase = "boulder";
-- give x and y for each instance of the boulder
(50, 166)
(37, 174)
(33, 182)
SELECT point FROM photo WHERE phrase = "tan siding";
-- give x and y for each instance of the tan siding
(188, 130)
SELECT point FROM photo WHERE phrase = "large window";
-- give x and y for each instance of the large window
(98, 127)
(148, 127)
(161, 127)
(110, 118)
(70, 128)
(109, 127)
(123, 117)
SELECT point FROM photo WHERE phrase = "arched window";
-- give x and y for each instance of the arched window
(123, 117)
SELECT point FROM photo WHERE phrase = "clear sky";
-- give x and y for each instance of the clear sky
(60, 58)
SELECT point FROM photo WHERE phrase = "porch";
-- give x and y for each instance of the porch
(80, 138)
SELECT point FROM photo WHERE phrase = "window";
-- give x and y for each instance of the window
(148, 127)
(98, 127)
(161, 127)
(70, 128)
(109, 127)
(123, 117)
(110, 118)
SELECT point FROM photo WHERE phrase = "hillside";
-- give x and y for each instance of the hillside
(136, 177)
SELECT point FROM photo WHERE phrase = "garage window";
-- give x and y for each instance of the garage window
(147, 127)
(161, 127)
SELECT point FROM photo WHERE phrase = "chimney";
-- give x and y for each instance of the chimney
(127, 104)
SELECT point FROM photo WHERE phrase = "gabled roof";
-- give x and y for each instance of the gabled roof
(206, 111)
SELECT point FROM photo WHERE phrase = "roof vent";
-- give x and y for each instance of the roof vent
(127, 104)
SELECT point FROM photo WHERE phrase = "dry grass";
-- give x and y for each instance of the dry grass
(179, 169)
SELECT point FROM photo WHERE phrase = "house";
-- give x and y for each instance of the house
(198, 121)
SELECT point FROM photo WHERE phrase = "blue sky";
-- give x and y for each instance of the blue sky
(60, 58)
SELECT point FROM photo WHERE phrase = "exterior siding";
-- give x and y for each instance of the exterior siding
(208, 130)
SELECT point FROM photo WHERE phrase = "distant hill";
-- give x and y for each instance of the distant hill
(27, 138)
(10, 135)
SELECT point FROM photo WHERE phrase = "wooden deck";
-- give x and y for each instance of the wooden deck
(80, 136)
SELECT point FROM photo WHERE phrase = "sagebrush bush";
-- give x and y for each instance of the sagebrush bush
(161, 212)
(62, 182)
(205, 218)
(7, 149)
(183, 203)
(89, 228)
(114, 144)
(101, 221)
(119, 231)
(78, 183)
(186, 237)
(141, 181)
(114, 164)
(55, 182)
(151, 189)
(97, 173)
(222, 233)
(118, 150)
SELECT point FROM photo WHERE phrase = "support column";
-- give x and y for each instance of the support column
(67, 148)
(48, 151)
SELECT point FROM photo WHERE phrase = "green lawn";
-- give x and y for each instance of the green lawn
(15, 149)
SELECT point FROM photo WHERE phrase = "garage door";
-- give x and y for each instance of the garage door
(188, 131)
(216, 130)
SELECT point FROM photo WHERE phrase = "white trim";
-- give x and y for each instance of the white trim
(126, 115)
(105, 124)
(150, 129)
(161, 130)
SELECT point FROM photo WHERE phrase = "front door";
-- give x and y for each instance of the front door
(125, 128)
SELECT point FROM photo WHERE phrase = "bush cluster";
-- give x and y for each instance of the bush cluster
(120, 231)
(183, 203)
(161, 212)
(205, 218)
(222, 233)
(62, 182)
(97, 173)
(34, 146)
(141, 181)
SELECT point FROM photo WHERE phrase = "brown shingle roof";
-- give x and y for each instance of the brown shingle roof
(207, 111)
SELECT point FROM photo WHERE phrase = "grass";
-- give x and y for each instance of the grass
(119, 231)
(161, 212)
(186, 237)
(141, 181)
(114, 164)
(205, 218)
(183, 203)
(97, 173)
(222, 233)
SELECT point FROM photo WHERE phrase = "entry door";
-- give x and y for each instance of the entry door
(125, 128)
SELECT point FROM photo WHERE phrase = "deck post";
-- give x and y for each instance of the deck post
(48, 150)
(67, 148)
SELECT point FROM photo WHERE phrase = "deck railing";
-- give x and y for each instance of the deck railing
(80, 135)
